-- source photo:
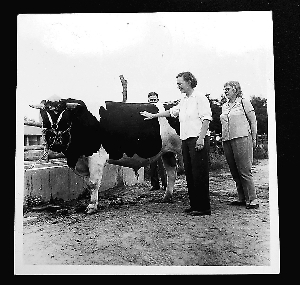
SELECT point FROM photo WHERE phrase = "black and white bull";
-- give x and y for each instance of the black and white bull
(120, 137)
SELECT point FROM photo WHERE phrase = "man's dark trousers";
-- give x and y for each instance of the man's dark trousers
(157, 169)
(196, 166)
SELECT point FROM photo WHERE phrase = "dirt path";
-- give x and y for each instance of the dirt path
(134, 228)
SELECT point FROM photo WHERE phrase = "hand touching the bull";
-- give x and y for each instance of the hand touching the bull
(147, 115)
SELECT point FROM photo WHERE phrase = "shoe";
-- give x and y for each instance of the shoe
(188, 210)
(252, 206)
(200, 213)
(238, 203)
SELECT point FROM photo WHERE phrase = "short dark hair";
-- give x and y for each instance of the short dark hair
(152, 94)
(188, 77)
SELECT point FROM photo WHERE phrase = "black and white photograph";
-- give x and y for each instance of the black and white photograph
(146, 144)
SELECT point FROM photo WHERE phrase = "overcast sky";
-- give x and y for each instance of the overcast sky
(82, 55)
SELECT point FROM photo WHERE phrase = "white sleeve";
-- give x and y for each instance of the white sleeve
(204, 110)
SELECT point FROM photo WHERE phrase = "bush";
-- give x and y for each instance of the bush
(261, 151)
(217, 161)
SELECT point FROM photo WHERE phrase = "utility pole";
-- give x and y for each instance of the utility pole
(124, 85)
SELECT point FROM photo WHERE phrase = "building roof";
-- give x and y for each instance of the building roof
(32, 131)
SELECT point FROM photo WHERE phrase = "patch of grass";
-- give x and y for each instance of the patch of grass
(30, 202)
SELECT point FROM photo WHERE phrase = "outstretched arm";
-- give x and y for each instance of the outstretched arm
(149, 116)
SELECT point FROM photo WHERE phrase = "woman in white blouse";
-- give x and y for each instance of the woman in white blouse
(194, 116)
(239, 129)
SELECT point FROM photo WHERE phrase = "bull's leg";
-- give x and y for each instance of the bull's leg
(169, 161)
(96, 167)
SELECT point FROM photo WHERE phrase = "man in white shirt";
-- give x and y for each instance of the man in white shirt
(194, 114)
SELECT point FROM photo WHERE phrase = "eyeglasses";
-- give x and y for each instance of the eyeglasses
(227, 89)
(153, 100)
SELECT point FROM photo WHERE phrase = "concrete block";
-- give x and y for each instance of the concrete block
(111, 177)
(62, 183)
(56, 182)
(130, 178)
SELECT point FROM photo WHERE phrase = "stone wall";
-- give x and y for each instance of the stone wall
(61, 182)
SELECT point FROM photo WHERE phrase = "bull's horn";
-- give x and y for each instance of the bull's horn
(72, 105)
(39, 106)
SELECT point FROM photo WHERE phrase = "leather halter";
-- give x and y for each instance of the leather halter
(58, 134)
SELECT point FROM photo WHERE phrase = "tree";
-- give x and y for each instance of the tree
(216, 109)
(260, 107)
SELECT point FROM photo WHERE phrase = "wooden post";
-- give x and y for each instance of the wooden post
(124, 85)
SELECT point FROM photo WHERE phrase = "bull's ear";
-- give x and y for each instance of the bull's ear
(72, 106)
(39, 106)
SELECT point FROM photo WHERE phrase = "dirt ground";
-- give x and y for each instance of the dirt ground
(133, 227)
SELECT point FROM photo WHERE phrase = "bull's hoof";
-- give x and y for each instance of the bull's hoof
(167, 199)
(91, 209)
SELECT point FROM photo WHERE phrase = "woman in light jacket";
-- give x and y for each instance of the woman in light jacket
(239, 129)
